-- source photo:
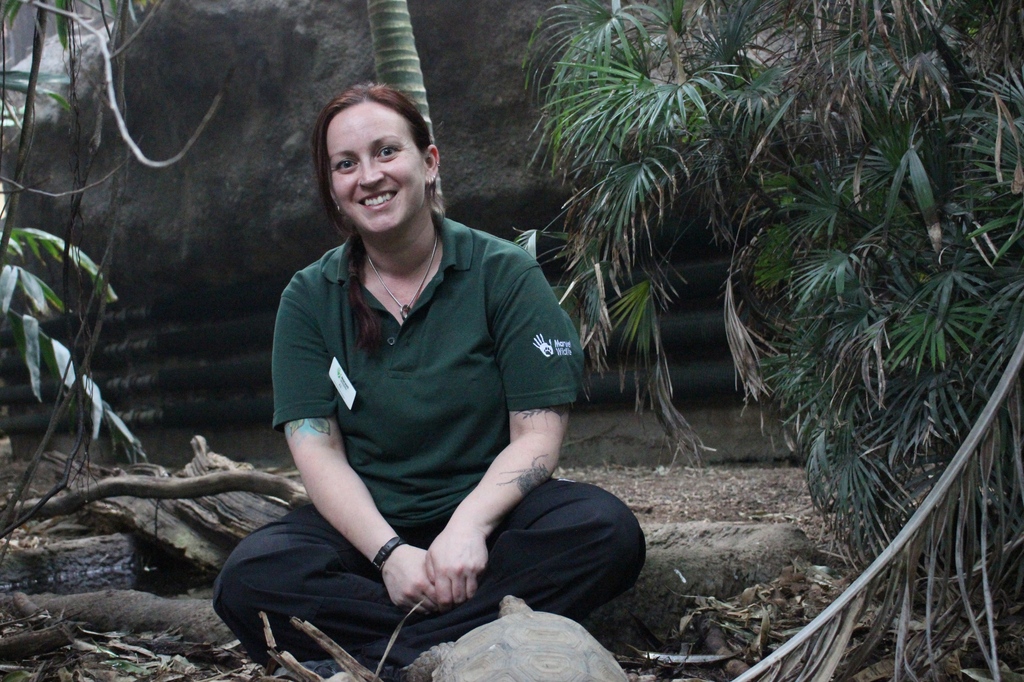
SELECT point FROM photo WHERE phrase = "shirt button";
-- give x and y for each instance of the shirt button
(391, 340)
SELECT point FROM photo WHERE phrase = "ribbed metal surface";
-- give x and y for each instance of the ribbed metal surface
(203, 358)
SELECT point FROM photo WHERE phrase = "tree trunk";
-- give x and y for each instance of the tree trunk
(394, 51)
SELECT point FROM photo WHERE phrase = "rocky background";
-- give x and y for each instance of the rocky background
(202, 249)
(241, 205)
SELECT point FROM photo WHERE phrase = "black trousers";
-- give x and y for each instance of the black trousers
(566, 548)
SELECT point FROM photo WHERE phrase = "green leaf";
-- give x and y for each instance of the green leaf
(126, 666)
(62, 22)
(8, 282)
(60, 100)
(54, 246)
(10, 9)
(33, 288)
(921, 185)
(62, 366)
(635, 313)
(19, 675)
(31, 334)
(18, 80)
(93, 391)
(123, 436)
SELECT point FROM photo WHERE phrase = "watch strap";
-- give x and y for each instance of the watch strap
(385, 551)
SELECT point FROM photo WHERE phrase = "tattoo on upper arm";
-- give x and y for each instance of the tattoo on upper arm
(528, 479)
(558, 410)
(313, 425)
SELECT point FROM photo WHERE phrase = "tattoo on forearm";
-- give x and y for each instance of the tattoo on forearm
(528, 479)
(308, 426)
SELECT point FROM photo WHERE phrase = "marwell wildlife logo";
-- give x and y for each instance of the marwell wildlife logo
(553, 347)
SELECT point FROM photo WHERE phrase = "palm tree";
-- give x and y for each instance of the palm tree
(864, 161)
(394, 50)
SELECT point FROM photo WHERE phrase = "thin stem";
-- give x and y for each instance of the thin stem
(103, 44)
(27, 128)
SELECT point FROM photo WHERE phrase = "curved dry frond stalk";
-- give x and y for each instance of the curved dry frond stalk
(745, 354)
(103, 43)
(658, 387)
(974, 499)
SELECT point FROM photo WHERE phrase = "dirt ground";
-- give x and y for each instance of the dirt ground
(711, 493)
(656, 495)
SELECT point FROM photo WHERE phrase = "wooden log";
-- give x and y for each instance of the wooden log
(132, 611)
(66, 566)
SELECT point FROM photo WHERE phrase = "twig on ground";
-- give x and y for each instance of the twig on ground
(340, 656)
(714, 641)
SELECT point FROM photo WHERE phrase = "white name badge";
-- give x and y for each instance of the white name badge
(341, 382)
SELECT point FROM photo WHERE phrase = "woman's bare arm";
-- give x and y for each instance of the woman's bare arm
(459, 554)
(342, 498)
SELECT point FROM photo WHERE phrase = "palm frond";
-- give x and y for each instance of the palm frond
(745, 351)
(978, 495)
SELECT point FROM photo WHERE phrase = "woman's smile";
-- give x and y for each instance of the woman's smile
(378, 175)
(379, 199)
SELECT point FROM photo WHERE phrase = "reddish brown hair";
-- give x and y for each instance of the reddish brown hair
(367, 320)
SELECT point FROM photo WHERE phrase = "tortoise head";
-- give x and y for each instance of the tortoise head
(510, 604)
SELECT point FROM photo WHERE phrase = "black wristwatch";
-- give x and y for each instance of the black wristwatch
(385, 552)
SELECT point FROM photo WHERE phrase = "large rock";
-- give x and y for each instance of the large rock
(698, 558)
(241, 205)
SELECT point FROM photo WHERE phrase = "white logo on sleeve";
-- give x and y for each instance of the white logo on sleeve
(552, 347)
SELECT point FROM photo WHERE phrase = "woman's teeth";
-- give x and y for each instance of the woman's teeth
(378, 200)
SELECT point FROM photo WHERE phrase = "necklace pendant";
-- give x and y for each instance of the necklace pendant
(405, 311)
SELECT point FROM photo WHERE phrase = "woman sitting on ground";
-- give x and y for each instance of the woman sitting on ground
(422, 374)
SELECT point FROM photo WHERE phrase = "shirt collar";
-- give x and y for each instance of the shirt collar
(456, 240)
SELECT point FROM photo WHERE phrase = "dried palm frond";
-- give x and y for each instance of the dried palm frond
(745, 352)
(956, 555)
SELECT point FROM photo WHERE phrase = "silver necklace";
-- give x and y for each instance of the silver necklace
(406, 308)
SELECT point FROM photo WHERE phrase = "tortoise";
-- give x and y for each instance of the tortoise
(523, 645)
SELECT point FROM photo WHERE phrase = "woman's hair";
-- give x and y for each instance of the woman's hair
(367, 321)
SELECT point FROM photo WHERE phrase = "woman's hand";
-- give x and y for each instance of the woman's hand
(405, 576)
(454, 561)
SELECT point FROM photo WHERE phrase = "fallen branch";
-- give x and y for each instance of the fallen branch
(24, 606)
(75, 565)
(24, 645)
(199, 513)
(291, 493)
(714, 642)
(348, 664)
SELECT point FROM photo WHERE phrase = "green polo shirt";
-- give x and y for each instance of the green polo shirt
(430, 414)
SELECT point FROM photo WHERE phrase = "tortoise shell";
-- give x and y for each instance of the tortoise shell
(524, 645)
